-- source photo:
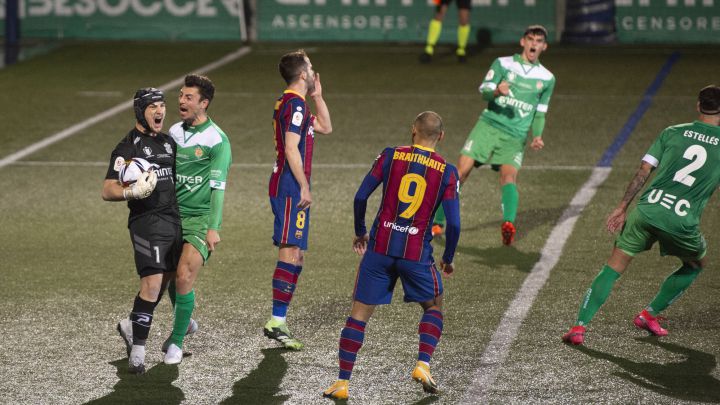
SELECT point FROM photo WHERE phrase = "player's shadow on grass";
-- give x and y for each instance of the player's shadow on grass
(526, 222)
(153, 387)
(687, 380)
(262, 384)
(427, 400)
(501, 256)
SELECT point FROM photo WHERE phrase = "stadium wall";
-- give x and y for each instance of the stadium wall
(636, 21)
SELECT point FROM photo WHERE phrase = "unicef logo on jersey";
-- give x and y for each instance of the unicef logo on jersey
(398, 228)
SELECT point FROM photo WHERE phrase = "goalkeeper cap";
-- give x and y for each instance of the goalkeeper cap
(709, 99)
(143, 98)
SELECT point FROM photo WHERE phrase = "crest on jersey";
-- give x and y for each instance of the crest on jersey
(147, 150)
(539, 85)
(198, 152)
(168, 148)
(119, 163)
(511, 76)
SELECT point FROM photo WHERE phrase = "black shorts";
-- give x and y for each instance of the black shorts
(157, 244)
(464, 4)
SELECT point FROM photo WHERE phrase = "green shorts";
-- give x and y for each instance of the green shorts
(194, 231)
(638, 235)
(489, 145)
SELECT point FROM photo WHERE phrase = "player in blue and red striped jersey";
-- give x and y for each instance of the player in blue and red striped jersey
(416, 181)
(289, 189)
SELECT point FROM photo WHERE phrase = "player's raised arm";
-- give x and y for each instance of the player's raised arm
(322, 124)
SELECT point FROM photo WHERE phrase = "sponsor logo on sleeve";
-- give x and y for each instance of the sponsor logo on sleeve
(297, 118)
(490, 74)
(119, 163)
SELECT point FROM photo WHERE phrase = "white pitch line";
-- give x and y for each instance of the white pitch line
(41, 163)
(497, 350)
(68, 132)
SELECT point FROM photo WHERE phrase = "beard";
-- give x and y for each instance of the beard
(310, 84)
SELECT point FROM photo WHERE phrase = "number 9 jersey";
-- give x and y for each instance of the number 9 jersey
(416, 180)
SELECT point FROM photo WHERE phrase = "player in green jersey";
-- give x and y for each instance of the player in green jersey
(687, 159)
(203, 161)
(518, 90)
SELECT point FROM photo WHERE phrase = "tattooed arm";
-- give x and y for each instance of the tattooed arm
(617, 218)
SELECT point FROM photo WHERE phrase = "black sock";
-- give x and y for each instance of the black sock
(141, 318)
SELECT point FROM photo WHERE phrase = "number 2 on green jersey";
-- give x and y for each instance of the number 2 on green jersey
(698, 155)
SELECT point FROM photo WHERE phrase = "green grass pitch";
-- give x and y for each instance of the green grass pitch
(67, 274)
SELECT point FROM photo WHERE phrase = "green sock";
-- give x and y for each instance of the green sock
(510, 199)
(171, 292)
(597, 294)
(672, 288)
(184, 305)
(463, 33)
(434, 31)
(439, 216)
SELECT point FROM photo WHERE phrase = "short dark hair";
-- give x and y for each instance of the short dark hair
(204, 85)
(292, 64)
(536, 30)
(428, 124)
(709, 99)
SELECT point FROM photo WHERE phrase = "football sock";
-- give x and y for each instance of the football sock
(171, 292)
(510, 199)
(672, 288)
(141, 318)
(351, 340)
(184, 305)
(597, 294)
(434, 31)
(284, 281)
(439, 216)
(463, 33)
(430, 329)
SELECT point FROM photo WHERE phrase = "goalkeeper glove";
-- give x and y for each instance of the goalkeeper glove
(142, 188)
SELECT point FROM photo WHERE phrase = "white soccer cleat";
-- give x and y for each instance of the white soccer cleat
(136, 360)
(174, 354)
(192, 328)
(124, 328)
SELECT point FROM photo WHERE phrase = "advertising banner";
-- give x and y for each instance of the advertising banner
(668, 21)
(129, 19)
(394, 20)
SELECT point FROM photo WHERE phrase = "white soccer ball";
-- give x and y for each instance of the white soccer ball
(133, 168)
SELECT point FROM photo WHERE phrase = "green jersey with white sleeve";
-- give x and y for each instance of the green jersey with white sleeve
(203, 160)
(687, 158)
(531, 86)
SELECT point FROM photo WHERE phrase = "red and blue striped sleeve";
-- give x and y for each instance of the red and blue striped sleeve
(368, 185)
(451, 205)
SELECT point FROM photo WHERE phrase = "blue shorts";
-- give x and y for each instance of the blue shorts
(291, 223)
(378, 273)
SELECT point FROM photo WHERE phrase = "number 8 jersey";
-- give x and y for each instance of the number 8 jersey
(416, 180)
(687, 157)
